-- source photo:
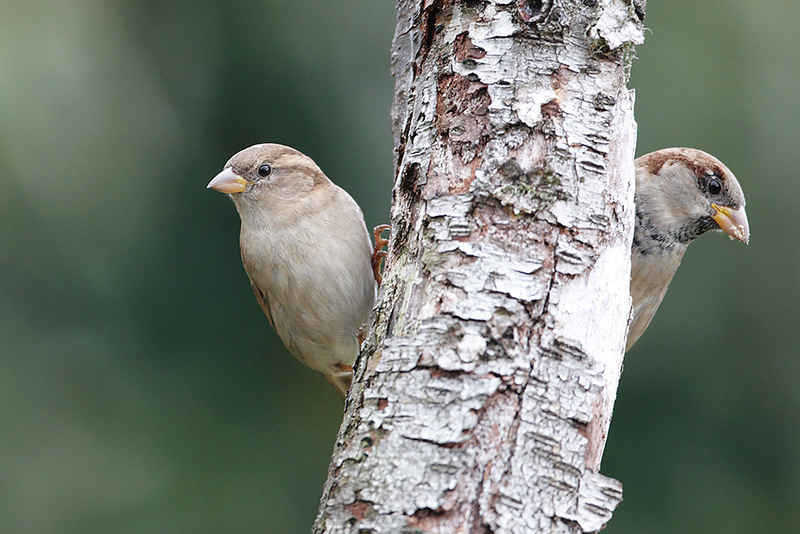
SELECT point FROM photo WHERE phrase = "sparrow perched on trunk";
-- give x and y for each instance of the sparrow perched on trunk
(681, 193)
(308, 254)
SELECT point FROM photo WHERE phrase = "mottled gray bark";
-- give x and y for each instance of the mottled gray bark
(483, 396)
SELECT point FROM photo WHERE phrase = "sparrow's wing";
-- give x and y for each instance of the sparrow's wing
(263, 300)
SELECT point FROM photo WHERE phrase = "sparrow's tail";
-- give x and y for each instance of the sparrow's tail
(340, 381)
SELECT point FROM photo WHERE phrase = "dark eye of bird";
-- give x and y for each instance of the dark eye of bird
(264, 170)
(714, 187)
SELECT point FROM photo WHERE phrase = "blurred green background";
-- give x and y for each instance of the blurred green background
(141, 389)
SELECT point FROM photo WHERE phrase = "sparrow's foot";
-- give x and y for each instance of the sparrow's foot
(378, 253)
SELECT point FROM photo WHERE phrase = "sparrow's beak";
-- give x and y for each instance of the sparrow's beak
(733, 222)
(228, 182)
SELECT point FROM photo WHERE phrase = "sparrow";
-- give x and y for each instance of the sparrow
(681, 193)
(307, 252)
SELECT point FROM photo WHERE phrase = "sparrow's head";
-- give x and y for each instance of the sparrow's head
(683, 193)
(268, 174)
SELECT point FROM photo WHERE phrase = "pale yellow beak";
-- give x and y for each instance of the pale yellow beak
(733, 222)
(228, 182)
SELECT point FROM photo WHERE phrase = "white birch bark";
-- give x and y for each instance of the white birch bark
(482, 400)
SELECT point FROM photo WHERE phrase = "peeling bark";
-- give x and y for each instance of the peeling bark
(483, 396)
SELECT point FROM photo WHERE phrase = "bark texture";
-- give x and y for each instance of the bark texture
(483, 397)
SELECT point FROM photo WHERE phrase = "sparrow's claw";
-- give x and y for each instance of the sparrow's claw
(378, 253)
(380, 242)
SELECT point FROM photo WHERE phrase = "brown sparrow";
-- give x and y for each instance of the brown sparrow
(681, 193)
(308, 254)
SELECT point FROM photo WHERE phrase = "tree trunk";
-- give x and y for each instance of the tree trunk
(483, 396)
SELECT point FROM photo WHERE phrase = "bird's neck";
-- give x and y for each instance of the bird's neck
(273, 213)
(658, 229)
(650, 238)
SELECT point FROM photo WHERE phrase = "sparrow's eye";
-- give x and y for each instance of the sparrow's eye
(264, 170)
(714, 187)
